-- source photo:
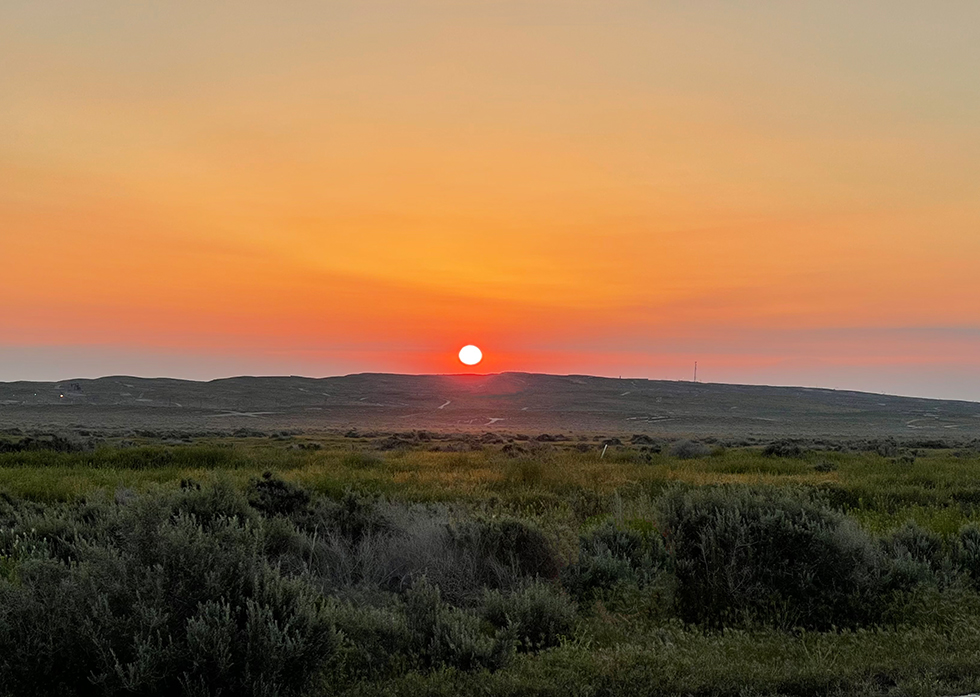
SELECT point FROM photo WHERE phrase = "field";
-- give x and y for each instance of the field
(419, 562)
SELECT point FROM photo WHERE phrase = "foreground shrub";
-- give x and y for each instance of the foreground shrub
(375, 641)
(611, 557)
(446, 636)
(507, 551)
(354, 517)
(743, 557)
(966, 553)
(273, 496)
(538, 616)
(156, 602)
(917, 556)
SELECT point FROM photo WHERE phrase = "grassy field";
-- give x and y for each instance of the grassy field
(496, 566)
(935, 487)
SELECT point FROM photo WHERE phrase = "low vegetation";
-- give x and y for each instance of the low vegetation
(287, 564)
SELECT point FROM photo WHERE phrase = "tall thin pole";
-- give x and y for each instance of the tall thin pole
(695, 371)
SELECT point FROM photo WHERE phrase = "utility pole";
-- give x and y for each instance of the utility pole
(695, 371)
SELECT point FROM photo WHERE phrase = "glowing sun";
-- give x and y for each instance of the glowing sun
(470, 355)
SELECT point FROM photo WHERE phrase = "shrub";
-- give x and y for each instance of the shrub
(689, 450)
(743, 557)
(916, 556)
(505, 551)
(966, 552)
(154, 602)
(219, 499)
(273, 496)
(273, 643)
(445, 636)
(285, 547)
(354, 517)
(610, 557)
(886, 447)
(524, 471)
(537, 615)
(375, 641)
(783, 449)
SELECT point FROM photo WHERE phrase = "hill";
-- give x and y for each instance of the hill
(510, 402)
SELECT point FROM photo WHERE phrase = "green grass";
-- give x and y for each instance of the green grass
(938, 490)
(684, 662)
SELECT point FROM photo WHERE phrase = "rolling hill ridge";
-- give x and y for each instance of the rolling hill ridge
(513, 402)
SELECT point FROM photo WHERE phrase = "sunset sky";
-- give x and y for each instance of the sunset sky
(785, 192)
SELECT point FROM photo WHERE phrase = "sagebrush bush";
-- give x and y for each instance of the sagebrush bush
(525, 470)
(744, 557)
(689, 450)
(150, 599)
(966, 553)
(207, 589)
(917, 556)
(505, 551)
(354, 517)
(611, 557)
(220, 499)
(362, 460)
(784, 448)
(273, 496)
(447, 636)
(375, 641)
(538, 615)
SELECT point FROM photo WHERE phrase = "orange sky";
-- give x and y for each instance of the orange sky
(786, 192)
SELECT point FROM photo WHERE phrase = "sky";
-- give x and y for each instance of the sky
(786, 193)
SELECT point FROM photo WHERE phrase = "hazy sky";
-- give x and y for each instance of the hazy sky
(786, 192)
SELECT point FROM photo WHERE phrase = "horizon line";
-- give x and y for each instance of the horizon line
(486, 375)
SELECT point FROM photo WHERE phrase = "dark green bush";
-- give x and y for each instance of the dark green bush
(218, 499)
(506, 550)
(743, 557)
(354, 517)
(154, 601)
(917, 556)
(362, 460)
(610, 557)
(446, 636)
(375, 641)
(273, 496)
(525, 470)
(966, 552)
(204, 590)
(784, 449)
(538, 616)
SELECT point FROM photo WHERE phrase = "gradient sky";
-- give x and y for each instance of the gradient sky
(787, 193)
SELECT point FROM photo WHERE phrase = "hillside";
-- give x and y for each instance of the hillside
(511, 402)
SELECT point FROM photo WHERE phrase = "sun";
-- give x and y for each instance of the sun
(470, 355)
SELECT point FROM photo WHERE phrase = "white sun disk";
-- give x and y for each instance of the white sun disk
(470, 355)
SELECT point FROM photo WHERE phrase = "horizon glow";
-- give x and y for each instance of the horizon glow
(788, 194)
